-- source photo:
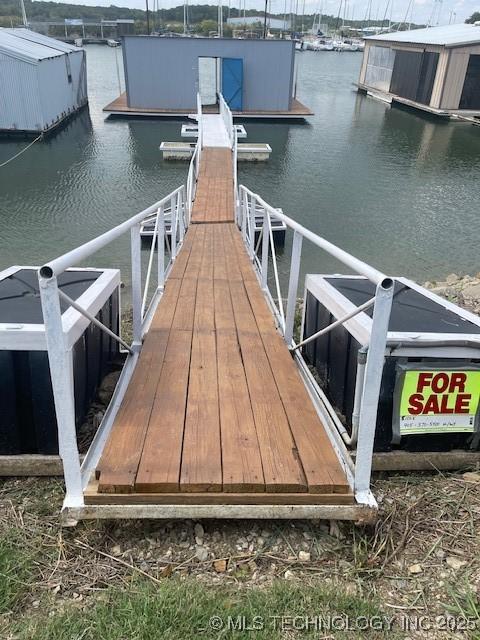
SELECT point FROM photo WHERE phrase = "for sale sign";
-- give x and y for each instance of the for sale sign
(437, 401)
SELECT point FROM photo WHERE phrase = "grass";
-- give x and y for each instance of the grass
(16, 569)
(464, 605)
(186, 609)
(141, 579)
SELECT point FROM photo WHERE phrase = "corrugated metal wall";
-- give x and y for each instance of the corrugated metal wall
(34, 96)
(20, 104)
(61, 86)
(163, 72)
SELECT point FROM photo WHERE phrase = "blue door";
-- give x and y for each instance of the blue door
(232, 82)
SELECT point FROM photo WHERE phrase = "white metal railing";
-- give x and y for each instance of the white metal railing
(200, 124)
(227, 119)
(175, 209)
(192, 178)
(262, 253)
(61, 356)
(235, 174)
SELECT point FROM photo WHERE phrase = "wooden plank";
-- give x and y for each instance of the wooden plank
(163, 317)
(320, 463)
(220, 263)
(23, 464)
(206, 266)
(201, 461)
(214, 195)
(244, 263)
(196, 254)
(241, 460)
(92, 496)
(159, 469)
(180, 264)
(120, 462)
(234, 271)
(425, 460)
(281, 465)
(121, 456)
(37, 465)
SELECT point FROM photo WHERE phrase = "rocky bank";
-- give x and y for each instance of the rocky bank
(462, 290)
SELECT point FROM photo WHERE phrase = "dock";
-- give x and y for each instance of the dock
(119, 107)
(215, 414)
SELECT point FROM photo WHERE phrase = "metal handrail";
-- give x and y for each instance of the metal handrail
(75, 256)
(227, 116)
(235, 172)
(60, 355)
(192, 176)
(200, 123)
(364, 269)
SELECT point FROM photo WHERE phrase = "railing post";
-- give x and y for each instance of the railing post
(253, 207)
(161, 248)
(61, 374)
(180, 214)
(173, 228)
(372, 383)
(197, 163)
(265, 249)
(243, 210)
(187, 204)
(136, 257)
(293, 285)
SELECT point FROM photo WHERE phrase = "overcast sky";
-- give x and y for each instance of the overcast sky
(422, 9)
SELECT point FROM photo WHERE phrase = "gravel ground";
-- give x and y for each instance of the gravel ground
(422, 559)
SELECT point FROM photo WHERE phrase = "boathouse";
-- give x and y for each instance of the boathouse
(436, 69)
(42, 81)
(163, 76)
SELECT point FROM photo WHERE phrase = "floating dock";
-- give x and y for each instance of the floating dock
(119, 107)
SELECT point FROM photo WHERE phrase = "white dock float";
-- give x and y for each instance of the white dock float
(191, 131)
(246, 152)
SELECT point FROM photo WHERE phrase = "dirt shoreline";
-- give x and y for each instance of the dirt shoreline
(421, 559)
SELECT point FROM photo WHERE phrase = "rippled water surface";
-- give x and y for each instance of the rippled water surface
(394, 188)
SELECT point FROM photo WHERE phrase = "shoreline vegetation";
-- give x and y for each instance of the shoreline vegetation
(201, 18)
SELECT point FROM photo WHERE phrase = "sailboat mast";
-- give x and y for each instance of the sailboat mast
(220, 18)
(24, 13)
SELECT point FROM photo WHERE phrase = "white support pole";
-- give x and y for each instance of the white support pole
(265, 250)
(293, 285)
(173, 228)
(180, 216)
(372, 383)
(243, 209)
(197, 163)
(186, 208)
(161, 248)
(253, 206)
(136, 256)
(61, 374)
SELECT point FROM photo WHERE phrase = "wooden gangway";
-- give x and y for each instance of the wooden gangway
(216, 407)
(216, 413)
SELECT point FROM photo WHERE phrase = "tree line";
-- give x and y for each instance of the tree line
(202, 18)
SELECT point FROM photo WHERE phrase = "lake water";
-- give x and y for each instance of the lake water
(396, 189)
